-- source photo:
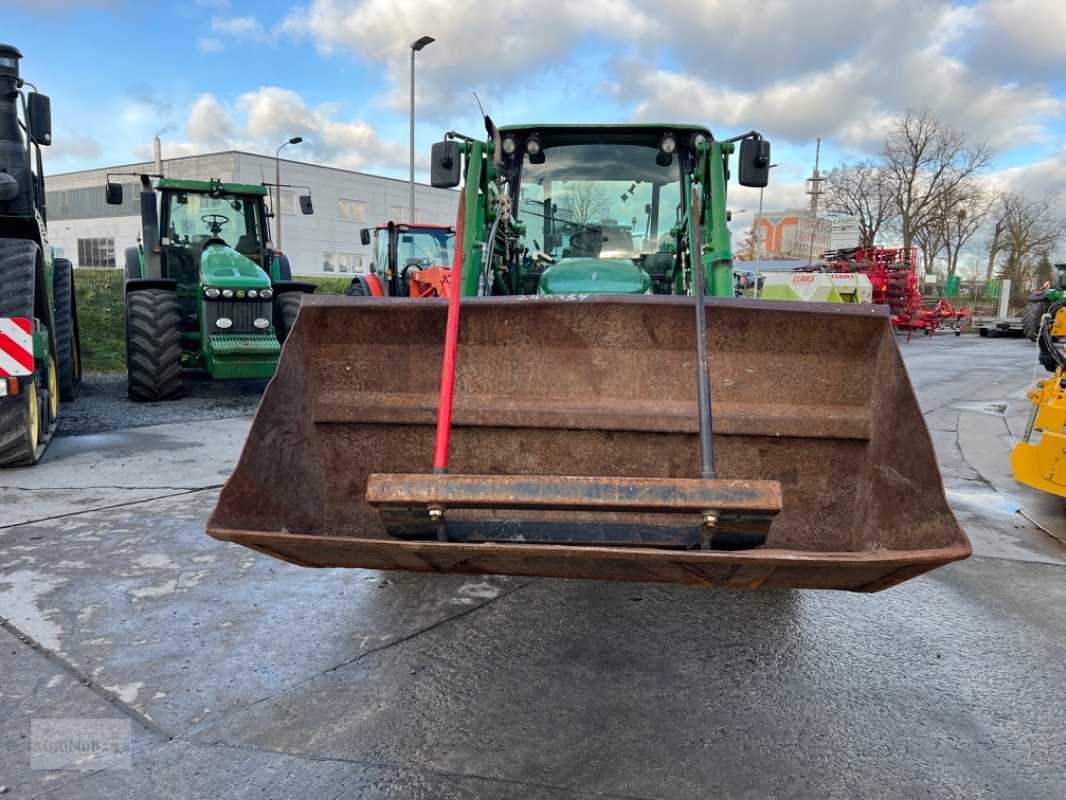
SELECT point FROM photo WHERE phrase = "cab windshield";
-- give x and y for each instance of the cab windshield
(192, 219)
(598, 201)
(417, 247)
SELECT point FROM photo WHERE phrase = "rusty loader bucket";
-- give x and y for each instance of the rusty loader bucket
(575, 446)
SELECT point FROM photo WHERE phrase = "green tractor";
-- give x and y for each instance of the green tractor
(1041, 301)
(204, 289)
(40, 360)
(598, 216)
(618, 414)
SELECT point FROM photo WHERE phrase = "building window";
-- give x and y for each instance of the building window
(352, 210)
(396, 213)
(99, 253)
(342, 262)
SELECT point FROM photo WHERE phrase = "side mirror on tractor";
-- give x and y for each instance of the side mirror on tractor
(305, 204)
(754, 163)
(364, 236)
(445, 165)
(113, 193)
(39, 117)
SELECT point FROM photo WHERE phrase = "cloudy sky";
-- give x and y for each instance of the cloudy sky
(210, 75)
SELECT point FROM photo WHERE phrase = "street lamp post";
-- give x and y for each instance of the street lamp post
(277, 190)
(416, 45)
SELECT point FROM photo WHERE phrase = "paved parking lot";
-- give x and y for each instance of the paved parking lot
(243, 676)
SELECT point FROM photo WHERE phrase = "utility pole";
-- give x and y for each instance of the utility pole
(814, 188)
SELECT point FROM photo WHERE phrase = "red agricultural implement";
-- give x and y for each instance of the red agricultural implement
(892, 275)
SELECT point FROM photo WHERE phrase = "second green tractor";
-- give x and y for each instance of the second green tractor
(204, 288)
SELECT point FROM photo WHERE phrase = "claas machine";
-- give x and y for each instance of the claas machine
(204, 288)
(584, 397)
(40, 358)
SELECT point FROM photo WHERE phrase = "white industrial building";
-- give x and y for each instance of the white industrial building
(83, 228)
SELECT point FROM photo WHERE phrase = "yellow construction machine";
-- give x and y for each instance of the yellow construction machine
(1042, 463)
(585, 398)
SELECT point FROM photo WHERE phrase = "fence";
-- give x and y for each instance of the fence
(102, 315)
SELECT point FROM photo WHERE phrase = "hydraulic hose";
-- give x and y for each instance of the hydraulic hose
(1051, 357)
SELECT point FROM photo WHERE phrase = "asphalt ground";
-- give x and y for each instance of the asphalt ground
(242, 676)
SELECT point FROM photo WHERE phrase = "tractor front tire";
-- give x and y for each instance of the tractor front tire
(153, 345)
(287, 306)
(1031, 317)
(68, 343)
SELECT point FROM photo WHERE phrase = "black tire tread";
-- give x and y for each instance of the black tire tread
(68, 357)
(1031, 317)
(288, 306)
(18, 263)
(153, 345)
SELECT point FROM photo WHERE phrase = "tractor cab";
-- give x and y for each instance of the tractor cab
(401, 250)
(212, 234)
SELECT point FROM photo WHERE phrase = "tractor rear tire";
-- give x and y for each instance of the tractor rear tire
(68, 342)
(20, 417)
(20, 428)
(1031, 317)
(287, 306)
(153, 345)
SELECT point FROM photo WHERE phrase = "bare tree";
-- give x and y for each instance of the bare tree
(747, 250)
(960, 213)
(583, 202)
(859, 190)
(1028, 232)
(925, 160)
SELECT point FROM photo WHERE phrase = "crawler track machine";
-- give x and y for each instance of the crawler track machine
(40, 356)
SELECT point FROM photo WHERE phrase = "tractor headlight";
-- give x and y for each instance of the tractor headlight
(224, 323)
(266, 294)
(668, 144)
(252, 293)
(211, 292)
(509, 145)
(261, 323)
(227, 293)
(697, 141)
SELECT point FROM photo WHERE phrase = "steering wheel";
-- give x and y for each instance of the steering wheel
(413, 264)
(215, 222)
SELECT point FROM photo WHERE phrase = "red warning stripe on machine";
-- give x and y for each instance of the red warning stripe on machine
(16, 346)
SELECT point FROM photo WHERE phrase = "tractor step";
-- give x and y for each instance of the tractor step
(635, 512)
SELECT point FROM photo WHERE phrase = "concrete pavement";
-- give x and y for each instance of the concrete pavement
(247, 677)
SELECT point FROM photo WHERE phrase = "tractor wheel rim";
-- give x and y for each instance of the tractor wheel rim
(53, 391)
(35, 422)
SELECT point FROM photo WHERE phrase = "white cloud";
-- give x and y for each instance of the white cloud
(1024, 37)
(241, 29)
(259, 121)
(67, 145)
(207, 45)
(209, 124)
